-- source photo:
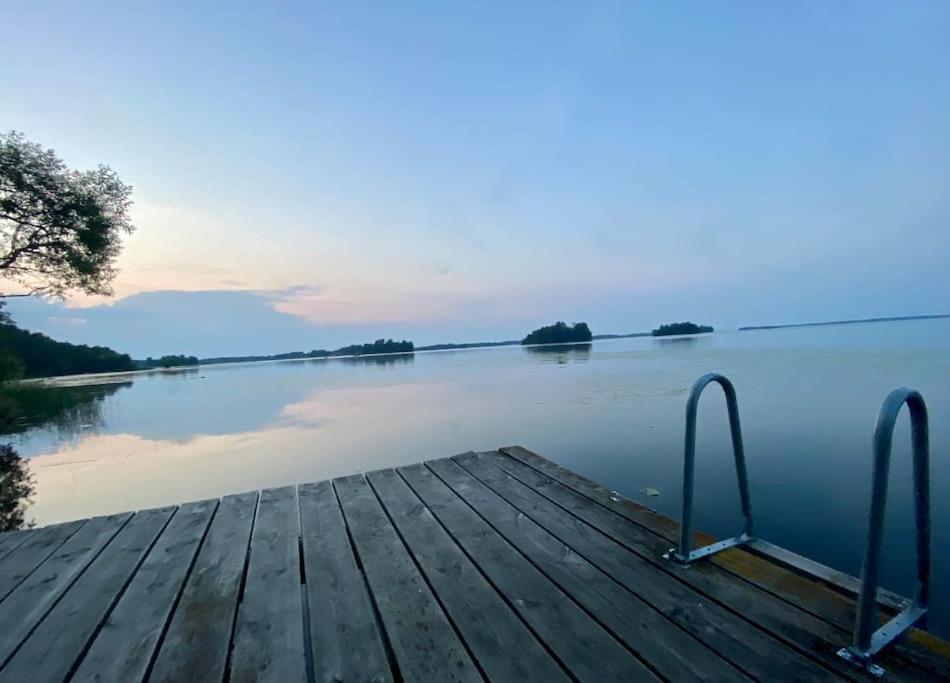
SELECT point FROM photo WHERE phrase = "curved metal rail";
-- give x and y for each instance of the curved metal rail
(684, 555)
(867, 642)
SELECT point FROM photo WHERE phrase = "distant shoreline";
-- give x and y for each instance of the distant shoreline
(516, 342)
(846, 322)
(238, 360)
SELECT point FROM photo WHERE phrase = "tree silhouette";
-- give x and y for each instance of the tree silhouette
(60, 229)
(559, 333)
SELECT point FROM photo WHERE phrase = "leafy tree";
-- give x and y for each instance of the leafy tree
(60, 229)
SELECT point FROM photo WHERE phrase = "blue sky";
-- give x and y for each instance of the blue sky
(314, 174)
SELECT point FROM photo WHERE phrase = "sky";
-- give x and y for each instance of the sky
(308, 175)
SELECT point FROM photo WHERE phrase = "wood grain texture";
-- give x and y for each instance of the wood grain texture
(747, 647)
(51, 651)
(494, 566)
(673, 652)
(345, 637)
(269, 638)
(423, 641)
(582, 645)
(124, 646)
(487, 624)
(30, 601)
(786, 602)
(11, 540)
(36, 546)
(195, 647)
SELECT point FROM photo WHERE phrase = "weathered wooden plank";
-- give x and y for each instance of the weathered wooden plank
(195, 647)
(827, 601)
(490, 628)
(344, 634)
(268, 637)
(26, 605)
(55, 646)
(123, 648)
(785, 589)
(36, 547)
(423, 641)
(644, 630)
(11, 540)
(921, 649)
(845, 584)
(579, 642)
(742, 643)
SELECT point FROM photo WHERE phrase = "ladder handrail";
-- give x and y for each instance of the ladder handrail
(684, 554)
(866, 641)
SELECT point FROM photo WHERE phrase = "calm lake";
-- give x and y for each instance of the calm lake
(612, 410)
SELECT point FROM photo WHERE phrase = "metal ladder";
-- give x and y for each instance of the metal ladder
(866, 641)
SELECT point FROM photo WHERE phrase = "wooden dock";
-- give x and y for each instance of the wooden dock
(499, 566)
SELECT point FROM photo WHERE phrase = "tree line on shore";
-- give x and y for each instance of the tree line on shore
(376, 347)
(29, 355)
(32, 354)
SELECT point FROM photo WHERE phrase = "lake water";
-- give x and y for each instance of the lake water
(613, 411)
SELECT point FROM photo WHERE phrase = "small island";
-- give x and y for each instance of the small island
(168, 361)
(559, 333)
(378, 346)
(671, 329)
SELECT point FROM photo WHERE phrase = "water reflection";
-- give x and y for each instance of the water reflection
(175, 373)
(34, 407)
(677, 341)
(16, 489)
(67, 410)
(561, 353)
(383, 360)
